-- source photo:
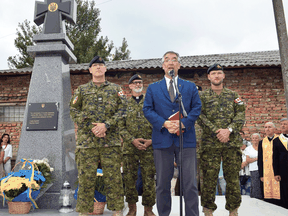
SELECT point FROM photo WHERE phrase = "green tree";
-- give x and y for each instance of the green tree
(122, 52)
(84, 35)
(24, 38)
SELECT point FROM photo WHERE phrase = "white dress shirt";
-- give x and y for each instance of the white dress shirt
(168, 83)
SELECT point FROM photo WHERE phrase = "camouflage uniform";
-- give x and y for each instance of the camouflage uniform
(221, 111)
(198, 131)
(104, 104)
(137, 126)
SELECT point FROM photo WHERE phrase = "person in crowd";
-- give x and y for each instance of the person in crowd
(280, 161)
(7, 148)
(175, 183)
(98, 108)
(245, 142)
(221, 183)
(244, 174)
(2, 171)
(137, 150)
(221, 119)
(251, 153)
(139, 182)
(270, 187)
(161, 102)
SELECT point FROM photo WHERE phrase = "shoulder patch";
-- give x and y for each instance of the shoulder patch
(238, 101)
(120, 93)
(75, 100)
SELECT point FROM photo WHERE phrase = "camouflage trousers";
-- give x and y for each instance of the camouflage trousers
(210, 160)
(199, 176)
(87, 163)
(130, 169)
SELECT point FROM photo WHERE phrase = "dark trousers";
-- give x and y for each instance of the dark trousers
(164, 163)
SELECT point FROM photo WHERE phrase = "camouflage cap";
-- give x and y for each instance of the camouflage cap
(134, 77)
(96, 59)
(214, 67)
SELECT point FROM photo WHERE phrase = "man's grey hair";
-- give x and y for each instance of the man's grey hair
(177, 54)
(257, 134)
(284, 119)
(271, 123)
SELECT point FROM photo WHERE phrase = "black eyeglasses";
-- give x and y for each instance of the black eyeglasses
(137, 82)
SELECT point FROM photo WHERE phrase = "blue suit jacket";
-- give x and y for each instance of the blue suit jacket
(158, 108)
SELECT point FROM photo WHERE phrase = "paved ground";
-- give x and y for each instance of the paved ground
(249, 207)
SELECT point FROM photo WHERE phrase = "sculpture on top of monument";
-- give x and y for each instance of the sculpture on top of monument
(53, 13)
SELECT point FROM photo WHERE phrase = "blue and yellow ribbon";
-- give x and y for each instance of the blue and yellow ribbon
(31, 178)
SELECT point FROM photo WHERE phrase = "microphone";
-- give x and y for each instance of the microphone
(171, 73)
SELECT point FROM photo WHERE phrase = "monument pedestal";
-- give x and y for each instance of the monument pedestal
(50, 83)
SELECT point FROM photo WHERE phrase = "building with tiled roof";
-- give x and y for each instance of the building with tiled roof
(228, 60)
(256, 76)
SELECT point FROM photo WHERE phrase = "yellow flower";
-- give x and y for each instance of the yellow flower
(16, 183)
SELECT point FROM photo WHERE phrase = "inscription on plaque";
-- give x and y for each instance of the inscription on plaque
(42, 116)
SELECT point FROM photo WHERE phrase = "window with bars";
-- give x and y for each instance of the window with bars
(12, 113)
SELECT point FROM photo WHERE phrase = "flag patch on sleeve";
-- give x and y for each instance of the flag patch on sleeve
(238, 101)
(120, 93)
(75, 100)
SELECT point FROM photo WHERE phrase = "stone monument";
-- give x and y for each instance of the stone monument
(47, 129)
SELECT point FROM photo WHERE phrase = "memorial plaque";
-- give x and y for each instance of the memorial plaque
(42, 116)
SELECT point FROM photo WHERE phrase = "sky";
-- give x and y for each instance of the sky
(152, 27)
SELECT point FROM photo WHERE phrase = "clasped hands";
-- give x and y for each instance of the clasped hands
(141, 144)
(223, 135)
(99, 129)
(172, 126)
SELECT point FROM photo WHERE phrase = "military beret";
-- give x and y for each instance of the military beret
(96, 59)
(134, 77)
(199, 88)
(214, 67)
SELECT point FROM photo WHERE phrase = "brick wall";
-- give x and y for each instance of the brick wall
(260, 88)
(13, 91)
(14, 88)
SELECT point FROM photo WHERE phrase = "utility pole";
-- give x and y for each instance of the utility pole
(283, 42)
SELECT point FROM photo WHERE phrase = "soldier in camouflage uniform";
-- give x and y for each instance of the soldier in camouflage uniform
(198, 131)
(98, 108)
(222, 117)
(137, 150)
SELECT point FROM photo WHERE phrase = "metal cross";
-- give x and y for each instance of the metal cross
(53, 13)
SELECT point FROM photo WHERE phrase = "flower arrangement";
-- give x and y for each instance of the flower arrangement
(45, 169)
(25, 184)
(100, 193)
(17, 185)
(99, 185)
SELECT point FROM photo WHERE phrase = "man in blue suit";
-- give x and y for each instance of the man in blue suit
(160, 103)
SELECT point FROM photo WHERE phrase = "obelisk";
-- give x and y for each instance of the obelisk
(47, 129)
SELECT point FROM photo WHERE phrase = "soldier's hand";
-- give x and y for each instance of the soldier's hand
(99, 129)
(277, 178)
(223, 135)
(262, 179)
(101, 135)
(138, 143)
(147, 143)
